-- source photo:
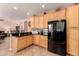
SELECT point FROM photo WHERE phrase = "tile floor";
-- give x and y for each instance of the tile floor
(29, 51)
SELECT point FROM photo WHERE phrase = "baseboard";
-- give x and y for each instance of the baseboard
(68, 54)
(40, 46)
(23, 48)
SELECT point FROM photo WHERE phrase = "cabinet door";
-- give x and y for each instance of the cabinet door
(43, 41)
(41, 25)
(45, 21)
(29, 40)
(72, 42)
(52, 16)
(36, 39)
(61, 14)
(32, 22)
(72, 16)
(21, 43)
(36, 22)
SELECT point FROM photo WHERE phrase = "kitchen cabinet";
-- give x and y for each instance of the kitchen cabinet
(73, 41)
(36, 22)
(36, 39)
(52, 16)
(72, 15)
(29, 40)
(57, 15)
(40, 40)
(61, 14)
(45, 21)
(32, 21)
(43, 41)
(19, 43)
(41, 21)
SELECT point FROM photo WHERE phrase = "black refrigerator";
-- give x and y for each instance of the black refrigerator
(57, 37)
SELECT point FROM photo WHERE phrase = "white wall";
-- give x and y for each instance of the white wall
(10, 24)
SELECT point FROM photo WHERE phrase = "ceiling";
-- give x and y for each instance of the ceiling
(7, 11)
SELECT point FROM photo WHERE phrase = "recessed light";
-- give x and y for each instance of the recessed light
(43, 6)
(28, 13)
(15, 8)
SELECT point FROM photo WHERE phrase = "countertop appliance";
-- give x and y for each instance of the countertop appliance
(35, 31)
(57, 37)
(45, 32)
(17, 29)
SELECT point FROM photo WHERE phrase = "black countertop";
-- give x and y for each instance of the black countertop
(25, 34)
(21, 34)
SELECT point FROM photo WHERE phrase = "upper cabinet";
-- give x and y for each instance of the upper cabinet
(32, 22)
(52, 16)
(45, 20)
(36, 19)
(41, 18)
(61, 14)
(57, 15)
(72, 16)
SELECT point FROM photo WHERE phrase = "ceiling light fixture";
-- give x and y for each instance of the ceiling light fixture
(28, 13)
(43, 6)
(15, 8)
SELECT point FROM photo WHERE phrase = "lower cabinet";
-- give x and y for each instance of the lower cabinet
(40, 40)
(43, 41)
(19, 43)
(36, 39)
(29, 40)
(73, 41)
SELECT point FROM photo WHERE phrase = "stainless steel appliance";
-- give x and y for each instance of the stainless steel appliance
(45, 31)
(35, 31)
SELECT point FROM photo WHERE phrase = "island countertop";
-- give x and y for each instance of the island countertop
(21, 34)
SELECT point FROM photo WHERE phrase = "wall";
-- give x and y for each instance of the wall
(7, 25)
(27, 28)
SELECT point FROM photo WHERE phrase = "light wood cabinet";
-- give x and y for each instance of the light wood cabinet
(61, 14)
(40, 40)
(45, 21)
(36, 22)
(36, 39)
(29, 40)
(57, 15)
(52, 16)
(43, 41)
(72, 15)
(19, 43)
(73, 41)
(32, 21)
(41, 21)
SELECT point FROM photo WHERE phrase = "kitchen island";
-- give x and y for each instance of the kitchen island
(20, 41)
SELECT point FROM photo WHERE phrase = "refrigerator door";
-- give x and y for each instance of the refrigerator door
(50, 31)
(57, 37)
